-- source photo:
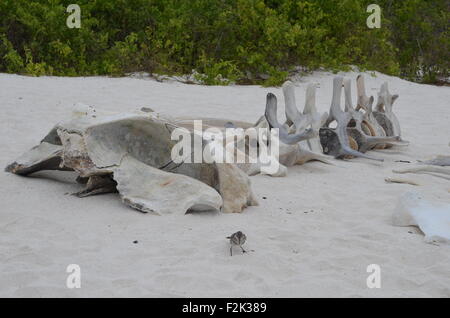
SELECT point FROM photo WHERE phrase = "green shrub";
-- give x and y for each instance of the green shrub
(421, 34)
(243, 41)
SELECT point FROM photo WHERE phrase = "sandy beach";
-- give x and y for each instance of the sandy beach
(313, 234)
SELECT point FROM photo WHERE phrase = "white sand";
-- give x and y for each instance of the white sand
(324, 252)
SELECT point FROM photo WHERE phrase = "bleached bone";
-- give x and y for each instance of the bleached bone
(366, 103)
(442, 161)
(134, 150)
(403, 181)
(437, 171)
(433, 218)
(317, 119)
(291, 152)
(384, 113)
(272, 119)
(365, 141)
(438, 167)
(310, 118)
(336, 141)
(293, 116)
(251, 165)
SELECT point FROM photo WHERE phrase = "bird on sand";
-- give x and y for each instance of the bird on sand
(237, 239)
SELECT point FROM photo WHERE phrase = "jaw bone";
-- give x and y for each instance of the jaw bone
(336, 141)
(364, 137)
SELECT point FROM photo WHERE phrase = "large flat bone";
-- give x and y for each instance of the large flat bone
(148, 189)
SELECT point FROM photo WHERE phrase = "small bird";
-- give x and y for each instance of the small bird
(238, 239)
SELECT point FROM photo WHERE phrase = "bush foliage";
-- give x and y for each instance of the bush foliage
(247, 41)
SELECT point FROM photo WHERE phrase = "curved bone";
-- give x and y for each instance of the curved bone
(291, 153)
(317, 120)
(365, 142)
(310, 149)
(340, 145)
(293, 116)
(436, 171)
(438, 167)
(384, 112)
(149, 189)
(365, 103)
(440, 160)
(285, 137)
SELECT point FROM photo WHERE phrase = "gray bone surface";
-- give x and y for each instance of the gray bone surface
(336, 141)
(131, 153)
(365, 141)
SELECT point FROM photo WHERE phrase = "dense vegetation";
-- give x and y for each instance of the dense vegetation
(248, 41)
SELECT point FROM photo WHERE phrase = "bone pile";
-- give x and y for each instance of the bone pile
(358, 129)
(130, 153)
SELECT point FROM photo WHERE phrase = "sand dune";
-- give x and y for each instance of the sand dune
(314, 235)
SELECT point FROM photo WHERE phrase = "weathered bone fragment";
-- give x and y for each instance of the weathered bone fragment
(310, 148)
(238, 145)
(365, 103)
(44, 156)
(437, 171)
(131, 153)
(398, 180)
(384, 113)
(364, 138)
(438, 167)
(432, 217)
(150, 189)
(272, 119)
(317, 119)
(98, 184)
(336, 141)
(291, 152)
(440, 160)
